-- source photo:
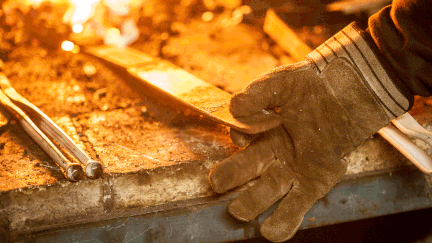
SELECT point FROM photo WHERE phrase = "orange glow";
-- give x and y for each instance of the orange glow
(75, 49)
(81, 10)
(37, 3)
(207, 16)
(113, 32)
(89, 16)
(119, 7)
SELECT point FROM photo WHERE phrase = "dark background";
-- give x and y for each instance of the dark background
(399, 228)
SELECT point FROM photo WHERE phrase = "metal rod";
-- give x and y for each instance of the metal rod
(93, 168)
(74, 171)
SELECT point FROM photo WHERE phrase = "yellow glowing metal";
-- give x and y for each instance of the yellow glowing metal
(173, 81)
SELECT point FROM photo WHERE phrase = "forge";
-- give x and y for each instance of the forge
(156, 154)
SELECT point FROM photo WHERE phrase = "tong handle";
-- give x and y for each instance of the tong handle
(398, 134)
(409, 126)
(73, 171)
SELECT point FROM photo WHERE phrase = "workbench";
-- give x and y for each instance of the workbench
(156, 158)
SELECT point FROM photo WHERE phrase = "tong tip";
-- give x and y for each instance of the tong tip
(74, 172)
(93, 169)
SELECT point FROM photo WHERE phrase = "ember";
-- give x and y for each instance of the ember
(77, 28)
(67, 45)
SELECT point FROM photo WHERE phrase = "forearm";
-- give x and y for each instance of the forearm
(403, 34)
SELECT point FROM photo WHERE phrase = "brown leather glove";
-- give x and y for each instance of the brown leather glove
(328, 105)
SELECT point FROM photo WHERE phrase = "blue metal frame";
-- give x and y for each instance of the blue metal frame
(207, 220)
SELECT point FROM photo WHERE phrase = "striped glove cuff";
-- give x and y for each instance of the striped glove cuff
(354, 45)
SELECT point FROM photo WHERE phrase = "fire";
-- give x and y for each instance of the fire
(115, 21)
(83, 10)
(109, 19)
(37, 3)
(80, 11)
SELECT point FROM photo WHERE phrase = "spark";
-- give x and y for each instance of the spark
(67, 45)
(77, 28)
(207, 16)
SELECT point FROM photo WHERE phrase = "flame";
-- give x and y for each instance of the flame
(83, 10)
(37, 3)
(110, 19)
(119, 7)
(80, 11)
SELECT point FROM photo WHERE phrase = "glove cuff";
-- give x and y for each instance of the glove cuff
(352, 44)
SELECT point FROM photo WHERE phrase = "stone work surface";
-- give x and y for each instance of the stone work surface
(211, 56)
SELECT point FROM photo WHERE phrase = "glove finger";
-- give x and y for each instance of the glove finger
(240, 168)
(272, 185)
(241, 139)
(286, 219)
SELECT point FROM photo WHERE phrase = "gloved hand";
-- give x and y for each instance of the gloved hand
(327, 105)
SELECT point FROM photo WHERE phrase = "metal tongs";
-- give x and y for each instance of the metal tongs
(46, 133)
(399, 132)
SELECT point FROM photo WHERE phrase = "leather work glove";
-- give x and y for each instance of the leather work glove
(327, 105)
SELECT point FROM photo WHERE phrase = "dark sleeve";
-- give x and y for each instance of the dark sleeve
(403, 34)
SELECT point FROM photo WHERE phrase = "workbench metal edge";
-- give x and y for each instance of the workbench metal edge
(206, 219)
